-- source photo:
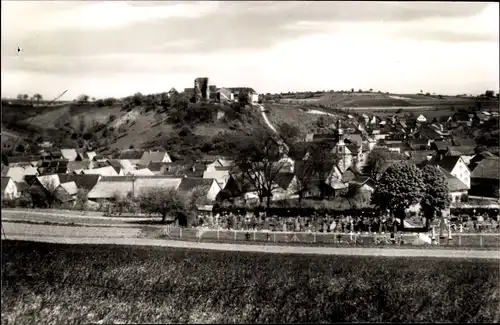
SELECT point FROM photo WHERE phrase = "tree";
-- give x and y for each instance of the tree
(357, 198)
(244, 97)
(20, 96)
(377, 161)
(304, 175)
(20, 148)
(259, 158)
(168, 201)
(37, 97)
(26, 96)
(435, 195)
(82, 98)
(289, 133)
(400, 187)
(164, 201)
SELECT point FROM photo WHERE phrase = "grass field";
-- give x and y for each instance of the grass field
(52, 283)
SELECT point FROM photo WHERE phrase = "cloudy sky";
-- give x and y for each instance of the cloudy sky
(119, 48)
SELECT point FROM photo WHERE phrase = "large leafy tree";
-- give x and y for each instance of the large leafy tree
(436, 196)
(259, 159)
(400, 187)
(377, 160)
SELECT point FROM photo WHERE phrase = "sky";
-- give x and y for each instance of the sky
(115, 49)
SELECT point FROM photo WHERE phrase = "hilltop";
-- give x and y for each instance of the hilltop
(154, 121)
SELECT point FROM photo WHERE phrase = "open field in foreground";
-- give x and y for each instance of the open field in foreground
(53, 283)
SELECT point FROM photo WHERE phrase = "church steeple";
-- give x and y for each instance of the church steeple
(340, 132)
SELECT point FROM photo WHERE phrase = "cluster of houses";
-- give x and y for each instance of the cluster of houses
(68, 171)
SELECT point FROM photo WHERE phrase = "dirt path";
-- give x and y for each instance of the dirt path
(264, 249)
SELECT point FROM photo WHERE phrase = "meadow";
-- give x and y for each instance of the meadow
(53, 283)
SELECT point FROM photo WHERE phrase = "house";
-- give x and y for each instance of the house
(208, 187)
(66, 192)
(55, 154)
(456, 188)
(485, 178)
(184, 169)
(189, 92)
(141, 172)
(80, 165)
(9, 188)
(364, 183)
(219, 173)
(286, 187)
(111, 186)
(421, 118)
(154, 156)
(83, 182)
(23, 161)
(45, 184)
(53, 167)
(22, 187)
(16, 173)
(252, 94)
(103, 171)
(133, 156)
(69, 154)
(440, 146)
(238, 186)
(474, 161)
(421, 156)
(419, 144)
(457, 167)
(396, 146)
(172, 92)
(89, 155)
(224, 95)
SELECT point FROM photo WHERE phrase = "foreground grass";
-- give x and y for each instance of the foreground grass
(53, 283)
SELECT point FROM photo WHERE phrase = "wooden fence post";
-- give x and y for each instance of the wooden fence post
(314, 237)
(254, 232)
(459, 239)
(235, 235)
(217, 234)
(180, 232)
(481, 240)
(274, 237)
(375, 238)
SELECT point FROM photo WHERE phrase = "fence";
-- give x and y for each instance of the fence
(222, 235)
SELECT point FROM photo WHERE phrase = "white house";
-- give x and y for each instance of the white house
(9, 188)
(456, 166)
(456, 187)
(154, 156)
(421, 118)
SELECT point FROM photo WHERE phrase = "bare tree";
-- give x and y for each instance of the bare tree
(260, 158)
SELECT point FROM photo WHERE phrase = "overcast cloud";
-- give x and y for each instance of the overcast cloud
(118, 48)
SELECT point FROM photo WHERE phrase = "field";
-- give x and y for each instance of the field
(51, 283)
(291, 114)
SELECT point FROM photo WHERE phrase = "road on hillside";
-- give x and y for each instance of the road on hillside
(129, 236)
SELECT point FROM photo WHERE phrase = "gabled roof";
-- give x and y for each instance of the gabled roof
(86, 182)
(5, 182)
(155, 156)
(76, 165)
(103, 171)
(69, 187)
(108, 186)
(238, 89)
(454, 184)
(49, 181)
(16, 173)
(188, 184)
(283, 180)
(156, 166)
(141, 172)
(488, 168)
(441, 145)
(448, 162)
(23, 159)
(69, 154)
